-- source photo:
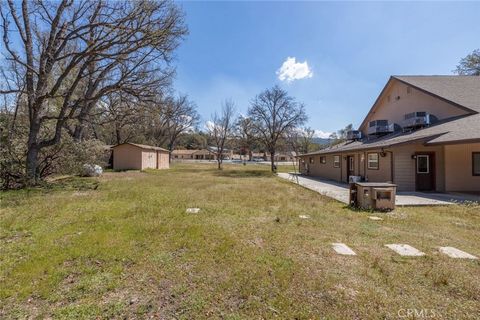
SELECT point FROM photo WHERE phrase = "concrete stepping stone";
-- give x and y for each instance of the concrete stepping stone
(405, 250)
(374, 218)
(343, 249)
(304, 216)
(193, 210)
(456, 253)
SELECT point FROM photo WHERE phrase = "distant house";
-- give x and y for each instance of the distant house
(197, 154)
(135, 156)
(200, 154)
(183, 154)
(279, 157)
(422, 133)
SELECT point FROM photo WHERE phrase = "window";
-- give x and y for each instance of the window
(323, 159)
(476, 163)
(423, 164)
(336, 161)
(310, 160)
(351, 164)
(372, 162)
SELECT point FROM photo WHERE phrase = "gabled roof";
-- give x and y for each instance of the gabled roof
(184, 151)
(461, 91)
(461, 129)
(203, 151)
(143, 146)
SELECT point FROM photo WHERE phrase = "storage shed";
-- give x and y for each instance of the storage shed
(139, 157)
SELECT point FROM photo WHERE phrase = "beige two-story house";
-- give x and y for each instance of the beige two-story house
(422, 133)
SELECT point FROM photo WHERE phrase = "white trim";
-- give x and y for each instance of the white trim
(428, 163)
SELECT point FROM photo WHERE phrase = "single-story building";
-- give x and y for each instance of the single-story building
(197, 154)
(135, 156)
(279, 157)
(422, 133)
(182, 154)
(200, 154)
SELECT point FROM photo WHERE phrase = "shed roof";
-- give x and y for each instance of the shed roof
(183, 151)
(143, 146)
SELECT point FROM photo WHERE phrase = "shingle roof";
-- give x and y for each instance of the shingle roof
(461, 90)
(466, 128)
(183, 151)
(143, 146)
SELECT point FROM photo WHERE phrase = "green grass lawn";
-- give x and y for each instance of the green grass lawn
(122, 246)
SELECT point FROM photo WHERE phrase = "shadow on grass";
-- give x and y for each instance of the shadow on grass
(70, 183)
(362, 210)
(243, 173)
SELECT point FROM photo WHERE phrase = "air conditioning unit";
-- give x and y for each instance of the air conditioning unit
(380, 127)
(416, 120)
(354, 135)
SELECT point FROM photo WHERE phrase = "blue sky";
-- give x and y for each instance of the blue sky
(235, 49)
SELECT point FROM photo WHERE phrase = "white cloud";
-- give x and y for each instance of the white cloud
(292, 70)
(322, 134)
(209, 125)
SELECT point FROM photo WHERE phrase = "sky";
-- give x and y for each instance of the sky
(335, 57)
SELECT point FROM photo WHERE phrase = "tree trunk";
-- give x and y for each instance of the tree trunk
(118, 134)
(219, 161)
(31, 165)
(31, 161)
(78, 132)
(272, 161)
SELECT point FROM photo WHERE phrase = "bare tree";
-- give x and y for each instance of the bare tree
(221, 129)
(245, 136)
(175, 116)
(340, 136)
(72, 53)
(470, 65)
(273, 113)
(306, 136)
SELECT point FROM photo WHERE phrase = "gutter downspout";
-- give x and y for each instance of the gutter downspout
(392, 172)
(365, 165)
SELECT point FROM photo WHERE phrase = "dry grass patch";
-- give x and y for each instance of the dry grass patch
(123, 246)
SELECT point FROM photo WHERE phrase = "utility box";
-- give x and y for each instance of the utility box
(375, 195)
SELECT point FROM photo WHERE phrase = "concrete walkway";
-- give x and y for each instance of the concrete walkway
(339, 191)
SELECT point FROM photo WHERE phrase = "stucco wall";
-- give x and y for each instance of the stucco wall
(410, 100)
(127, 157)
(458, 168)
